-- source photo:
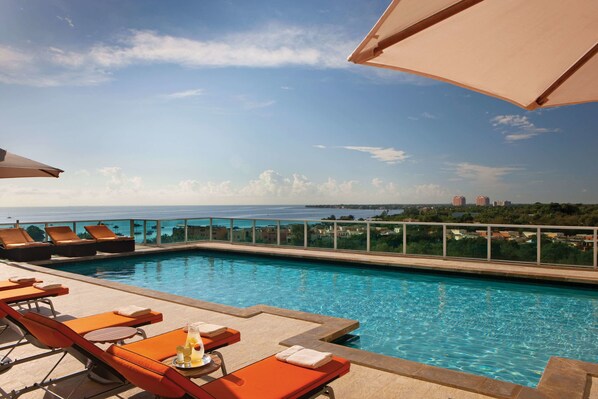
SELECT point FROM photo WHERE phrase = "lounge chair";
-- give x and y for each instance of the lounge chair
(9, 285)
(58, 336)
(108, 241)
(81, 326)
(32, 296)
(67, 243)
(17, 245)
(266, 379)
(163, 346)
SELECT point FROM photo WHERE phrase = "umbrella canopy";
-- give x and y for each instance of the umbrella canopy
(533, 53)
(12, 165)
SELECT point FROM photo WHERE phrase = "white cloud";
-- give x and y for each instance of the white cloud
(428, 115)
(67, 20)
(183, 94)
(249, 103)
(377, 182)
(483, 174)
(319, 146)
(269, 47)
(287, 88)
(518, 127)
(388, 155)
(118, 181)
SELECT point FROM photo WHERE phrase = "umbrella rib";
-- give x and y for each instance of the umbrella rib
(543, 98)
(416, 28)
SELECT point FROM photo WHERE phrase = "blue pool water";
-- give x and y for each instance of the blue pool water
(499, 329)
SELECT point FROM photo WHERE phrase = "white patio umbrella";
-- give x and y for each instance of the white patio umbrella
(12, 165)
(533, 53)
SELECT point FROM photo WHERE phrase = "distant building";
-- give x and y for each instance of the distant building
(502, 203)
(458, 200)
(482, 200)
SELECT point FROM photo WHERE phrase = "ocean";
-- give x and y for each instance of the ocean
(66, 214)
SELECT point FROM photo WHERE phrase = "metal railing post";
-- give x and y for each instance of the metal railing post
(131, 227)
(489, 243)
(45, 232)
(278, 232)
(75, 228)
(158, 232)
(444, 241)
(144, 231)
(334, 235)
(539, 246)
(404, 238)
(231, 230)
(210, 239)
(253, 232)
(595, 249)
(186, 232)
(305, 234)
(368, 238)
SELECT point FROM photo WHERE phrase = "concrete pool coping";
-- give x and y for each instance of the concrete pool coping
(562, 378)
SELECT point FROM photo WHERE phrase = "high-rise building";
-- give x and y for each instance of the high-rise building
(482, 200)
(458, 200)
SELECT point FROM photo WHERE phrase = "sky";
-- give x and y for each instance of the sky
(254, 102)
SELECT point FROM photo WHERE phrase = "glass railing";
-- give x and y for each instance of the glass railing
(543, 245)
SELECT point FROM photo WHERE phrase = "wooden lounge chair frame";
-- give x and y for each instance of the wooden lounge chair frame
(67, 243)
(109, 242)
(18, 246)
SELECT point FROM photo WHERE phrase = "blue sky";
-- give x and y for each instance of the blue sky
(253, 102)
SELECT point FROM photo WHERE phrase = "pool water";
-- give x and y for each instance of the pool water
(495, 328)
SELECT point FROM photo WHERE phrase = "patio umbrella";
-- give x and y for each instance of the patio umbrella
(533, 53)
(12, 165)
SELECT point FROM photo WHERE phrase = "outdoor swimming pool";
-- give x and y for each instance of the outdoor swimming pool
(496, 328)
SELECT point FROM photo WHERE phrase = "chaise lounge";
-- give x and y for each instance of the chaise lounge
(268, 378)
(17, 245)
(107, 241)
(67, 243)
(33, 295)
(80, 325)
(18, 282)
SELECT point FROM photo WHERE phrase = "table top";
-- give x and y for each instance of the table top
(110, 335)
(198, 371)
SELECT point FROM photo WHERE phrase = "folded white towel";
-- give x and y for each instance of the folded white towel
(132, 311)
(21, 279)
(300, 356)
(206, 329)
(48, 285)
(284, 355)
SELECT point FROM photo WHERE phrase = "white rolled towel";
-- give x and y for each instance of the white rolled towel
(132, 311)
(300, 356)
(206, 329)
(21, 279)
(48, 285)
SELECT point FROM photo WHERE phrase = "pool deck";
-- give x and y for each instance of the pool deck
(266, 330)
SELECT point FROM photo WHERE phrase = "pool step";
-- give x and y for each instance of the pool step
(346, 339)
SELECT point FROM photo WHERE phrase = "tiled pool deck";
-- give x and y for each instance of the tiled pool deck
(266, 330)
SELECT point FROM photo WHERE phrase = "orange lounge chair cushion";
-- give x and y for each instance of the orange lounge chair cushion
(270, 378)
(86, 324)
(61, 233)
(163, 346)
(29, 293)
(9, 285)
(100, 232)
